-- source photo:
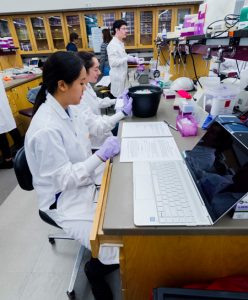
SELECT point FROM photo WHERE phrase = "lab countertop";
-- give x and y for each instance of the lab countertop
(118, 218)
(16, 82)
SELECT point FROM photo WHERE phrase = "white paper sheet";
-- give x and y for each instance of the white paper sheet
(149, 149)
(145, 129)
(96, 39)
(105, 81)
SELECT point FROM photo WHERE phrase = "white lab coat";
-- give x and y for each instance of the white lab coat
(7, 121)
(58, 152)
(94, 102)
(88, 106)
(118, 67)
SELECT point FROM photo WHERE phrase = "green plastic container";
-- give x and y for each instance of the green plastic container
(243, 23)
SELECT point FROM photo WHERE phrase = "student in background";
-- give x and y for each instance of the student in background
(58, 152)
(104, 63)
(72, 45)
(91, 104)
(118, 59)
(7, 124)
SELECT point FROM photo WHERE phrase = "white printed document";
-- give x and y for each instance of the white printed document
(149, 149)
(105, 81)
(145, 129)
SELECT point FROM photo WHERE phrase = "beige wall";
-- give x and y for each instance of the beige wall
(22, 6)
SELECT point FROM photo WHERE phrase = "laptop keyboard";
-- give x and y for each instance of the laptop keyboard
(172, 205)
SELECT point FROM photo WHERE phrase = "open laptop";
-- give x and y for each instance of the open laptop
(197, 190)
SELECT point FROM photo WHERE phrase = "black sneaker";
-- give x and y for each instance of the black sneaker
(6, 164)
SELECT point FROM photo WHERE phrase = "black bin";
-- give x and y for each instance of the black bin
(145, 105)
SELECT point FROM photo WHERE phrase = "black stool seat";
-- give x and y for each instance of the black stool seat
(27, 112)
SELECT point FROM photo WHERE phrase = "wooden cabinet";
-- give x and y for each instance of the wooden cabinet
(17, 97)
(40, 33)
(50, 32)
(4, 27)
(57, 31)
(107, 18)
(181, 12)
(74, 23)
(130, 16)
(90, 20)
(23, 34)
(146, 30)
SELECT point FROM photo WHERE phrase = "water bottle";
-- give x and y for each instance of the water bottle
(164, 33)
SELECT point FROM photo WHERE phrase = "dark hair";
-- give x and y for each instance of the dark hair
(73, 36)
(106, 35)
(60, 65)
(117, 25)
(86, 57)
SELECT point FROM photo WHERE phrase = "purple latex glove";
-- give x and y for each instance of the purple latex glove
(133, 59)
(109, 148)
(127, 107)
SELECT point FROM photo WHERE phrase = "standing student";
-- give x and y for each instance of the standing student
(72, 45)
(118, 59)
(58, 152)
(94, 103)
(104, 63)
(7, 124)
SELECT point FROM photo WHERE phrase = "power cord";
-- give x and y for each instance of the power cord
(230, 17)
(193, 61)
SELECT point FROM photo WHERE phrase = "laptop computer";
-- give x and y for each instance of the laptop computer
(164, 293)
(197, 190)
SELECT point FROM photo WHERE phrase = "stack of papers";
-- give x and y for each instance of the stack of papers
(148, 141)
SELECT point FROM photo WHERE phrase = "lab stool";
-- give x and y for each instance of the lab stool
(63, 236)
(24, 178)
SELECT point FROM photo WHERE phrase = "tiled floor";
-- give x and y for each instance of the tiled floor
(30, 267)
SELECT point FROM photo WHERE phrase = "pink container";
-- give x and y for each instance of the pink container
(186, 125)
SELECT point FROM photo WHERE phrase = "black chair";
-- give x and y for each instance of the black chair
(24, 178)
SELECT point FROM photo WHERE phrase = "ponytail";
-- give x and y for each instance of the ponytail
(40, 98)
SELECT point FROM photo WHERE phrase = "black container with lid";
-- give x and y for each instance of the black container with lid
(145, 105)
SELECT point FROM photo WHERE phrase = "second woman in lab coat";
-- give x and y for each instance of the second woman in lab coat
(58, 152)
(91, 104)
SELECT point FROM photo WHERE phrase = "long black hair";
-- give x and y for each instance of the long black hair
(87, 58)
(106, 35)
(60, 65)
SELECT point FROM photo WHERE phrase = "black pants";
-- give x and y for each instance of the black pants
(4, 144)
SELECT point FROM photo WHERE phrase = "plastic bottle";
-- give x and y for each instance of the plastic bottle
(164, 33)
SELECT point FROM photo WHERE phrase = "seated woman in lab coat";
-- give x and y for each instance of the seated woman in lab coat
(91, 103)
(93, 72)
(58, 152)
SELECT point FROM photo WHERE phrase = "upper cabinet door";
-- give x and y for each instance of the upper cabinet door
(181, 12)
(91, 20)
(40, 33)
(23, 34)
(57, 29)
(108, 18)
(165, 20)
(74, 24)
(146, 28)
(4, 28)
(130, 17)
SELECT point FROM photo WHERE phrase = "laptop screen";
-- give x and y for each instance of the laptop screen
(219, 166)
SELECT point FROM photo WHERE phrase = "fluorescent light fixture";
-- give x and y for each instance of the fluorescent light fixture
(162, 13)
